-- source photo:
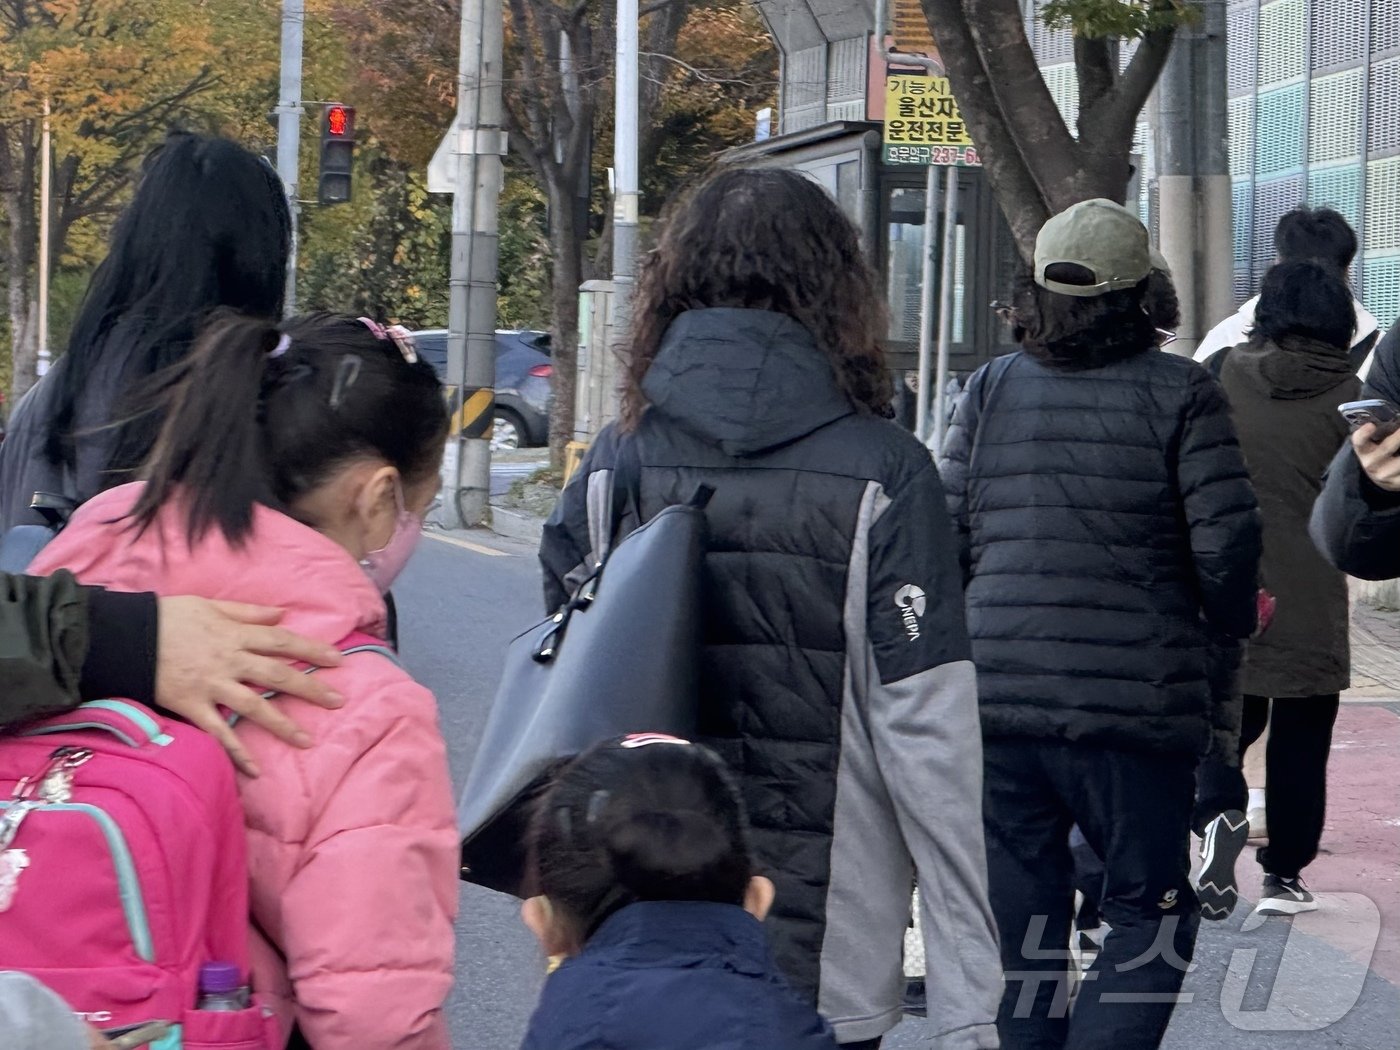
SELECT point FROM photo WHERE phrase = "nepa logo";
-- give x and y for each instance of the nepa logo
(913, 602)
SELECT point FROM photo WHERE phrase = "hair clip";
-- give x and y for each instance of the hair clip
(643, 739)
(283, 345)
(400, 336)
(345, 375)
(597, 802)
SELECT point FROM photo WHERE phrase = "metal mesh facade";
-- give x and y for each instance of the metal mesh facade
(1314, 118)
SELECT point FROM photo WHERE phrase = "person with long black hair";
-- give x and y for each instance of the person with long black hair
(208, 228)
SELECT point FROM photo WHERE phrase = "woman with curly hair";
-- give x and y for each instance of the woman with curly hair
(836, 679)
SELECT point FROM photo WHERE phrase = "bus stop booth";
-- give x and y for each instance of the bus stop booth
(830, 124)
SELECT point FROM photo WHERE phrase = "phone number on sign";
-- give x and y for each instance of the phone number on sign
(965, 156)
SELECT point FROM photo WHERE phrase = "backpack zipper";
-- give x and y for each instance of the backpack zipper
(54, 787)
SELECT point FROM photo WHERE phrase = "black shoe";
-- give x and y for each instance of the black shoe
(1285, 897)
(1224, 840)
(915, 997)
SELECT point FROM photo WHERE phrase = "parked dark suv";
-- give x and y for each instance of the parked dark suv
(524, 383)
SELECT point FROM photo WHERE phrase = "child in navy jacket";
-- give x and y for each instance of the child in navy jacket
(642, 860)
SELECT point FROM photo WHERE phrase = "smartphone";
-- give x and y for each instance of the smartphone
(137, 1035)
(1383, 414)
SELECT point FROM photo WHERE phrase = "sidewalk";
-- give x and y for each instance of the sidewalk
(1330, 978)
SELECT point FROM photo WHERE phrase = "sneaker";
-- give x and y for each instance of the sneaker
(1085, 945)
(1221, 845)
(1285, 897)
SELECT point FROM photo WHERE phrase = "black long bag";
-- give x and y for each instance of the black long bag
(622, 656)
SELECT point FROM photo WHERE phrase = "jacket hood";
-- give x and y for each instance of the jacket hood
(1292, 369)
(747, 380)
(283, 563)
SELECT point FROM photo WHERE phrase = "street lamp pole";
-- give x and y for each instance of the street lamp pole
(289, 129)
(478, 144)
(45, 204)
(626, 193)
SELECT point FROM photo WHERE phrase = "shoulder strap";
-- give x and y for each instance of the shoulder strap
(1216, 361)
(360, 642)
(357, 642)
(991, 379)
(626, 485)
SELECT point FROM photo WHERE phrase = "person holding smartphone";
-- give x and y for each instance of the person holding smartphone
(1356, 519)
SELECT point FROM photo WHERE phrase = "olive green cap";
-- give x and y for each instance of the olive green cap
(1103, 237)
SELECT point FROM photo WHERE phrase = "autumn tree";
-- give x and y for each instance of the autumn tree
(1036, 165)
(116, 74)
(705, 66)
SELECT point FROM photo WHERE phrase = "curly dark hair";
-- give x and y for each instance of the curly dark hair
(1075, 333)
(763, 239)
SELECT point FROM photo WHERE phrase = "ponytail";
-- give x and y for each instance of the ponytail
(261, 415)
(210, 447)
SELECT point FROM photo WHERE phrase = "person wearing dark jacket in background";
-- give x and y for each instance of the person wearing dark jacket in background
(208, 228)
(648, 886)
(1284, 386)
(835, 679)
(1356, 520)
(1108, 525)
(61, 644)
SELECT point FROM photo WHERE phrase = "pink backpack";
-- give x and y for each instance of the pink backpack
(123, 869)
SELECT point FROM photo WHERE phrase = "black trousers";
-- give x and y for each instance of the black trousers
(1134, 810)
(1300, 740)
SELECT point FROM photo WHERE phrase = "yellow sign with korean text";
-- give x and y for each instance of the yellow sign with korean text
(923, 125)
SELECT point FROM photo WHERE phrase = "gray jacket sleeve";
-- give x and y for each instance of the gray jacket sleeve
(921, 703)
(1355, 524)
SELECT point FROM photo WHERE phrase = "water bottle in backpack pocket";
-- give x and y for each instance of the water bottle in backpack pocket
(123, 872)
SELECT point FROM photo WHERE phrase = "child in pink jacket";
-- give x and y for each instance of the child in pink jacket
(294, 469)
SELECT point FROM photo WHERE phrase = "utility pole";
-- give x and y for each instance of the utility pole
(289, 129)
(927, 289)
(478, 145)
(1193, 179)
(945, 311)
(45, 204)
(626, 195)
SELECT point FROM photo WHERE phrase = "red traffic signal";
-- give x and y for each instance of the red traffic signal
(338, 122)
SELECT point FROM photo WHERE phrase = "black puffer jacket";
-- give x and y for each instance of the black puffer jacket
(836, 681)
(1355, 523)
(1109, 523)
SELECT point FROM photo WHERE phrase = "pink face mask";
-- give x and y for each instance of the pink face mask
(384, 565)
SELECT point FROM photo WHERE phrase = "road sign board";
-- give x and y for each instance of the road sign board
(923, 125)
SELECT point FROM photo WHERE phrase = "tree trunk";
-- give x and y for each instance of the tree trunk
(18, 155)
(567, 274)
(1035, 167)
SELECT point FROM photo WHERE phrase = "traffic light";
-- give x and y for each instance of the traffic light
(337, 152)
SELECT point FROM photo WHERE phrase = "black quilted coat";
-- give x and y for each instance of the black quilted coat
(835, 681)
(1109, 524)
